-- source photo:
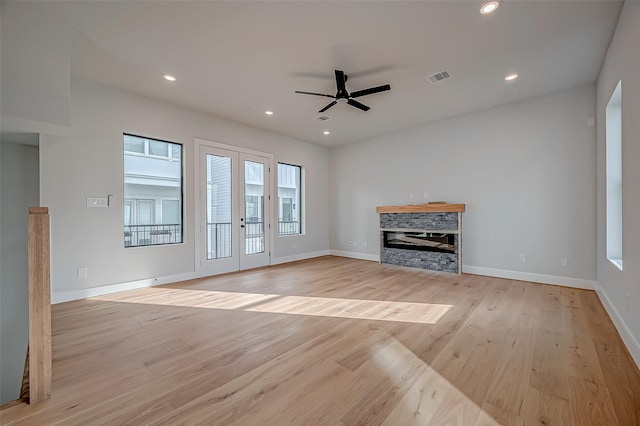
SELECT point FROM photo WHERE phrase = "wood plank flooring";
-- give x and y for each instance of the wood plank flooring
(335, 341)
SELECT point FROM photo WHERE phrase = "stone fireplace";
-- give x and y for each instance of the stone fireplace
(422, 241)
(423, 236)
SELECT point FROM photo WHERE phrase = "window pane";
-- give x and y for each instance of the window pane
(254, 207)
(170, 211)
(176, 151)
(153, 194)
(160, 149)
(218, 207)
(289, 196)
(133, 144)
(127, 212)
(144, 213)
(614, 176)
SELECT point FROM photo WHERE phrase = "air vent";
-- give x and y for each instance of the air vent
(439, 77)
(323, 118)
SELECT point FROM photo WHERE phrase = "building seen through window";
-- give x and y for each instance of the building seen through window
(289, 196)
(152, 192)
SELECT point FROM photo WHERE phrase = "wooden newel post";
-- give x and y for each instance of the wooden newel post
(39, 305)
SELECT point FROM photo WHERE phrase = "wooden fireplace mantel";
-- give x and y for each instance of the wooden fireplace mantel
(422, 208)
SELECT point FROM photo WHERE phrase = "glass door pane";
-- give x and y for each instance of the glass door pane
(233, 211)
(253, 207)
(219, 207)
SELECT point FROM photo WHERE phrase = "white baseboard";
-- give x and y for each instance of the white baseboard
(300, 256)
(499, 273)
(355, 255)
(627, 337)
(528, 276)
(67, 296)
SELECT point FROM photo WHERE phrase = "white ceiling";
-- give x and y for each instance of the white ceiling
(238, 59)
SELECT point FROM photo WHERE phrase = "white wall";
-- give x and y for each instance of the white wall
(622, 63)
(36, 64)
(19, 171)
(524, 170)
(89, 162)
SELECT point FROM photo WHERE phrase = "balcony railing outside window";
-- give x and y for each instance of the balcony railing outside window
(288, 227)
(151, 235)
(219, 240)
(254, 238)
(218, 234)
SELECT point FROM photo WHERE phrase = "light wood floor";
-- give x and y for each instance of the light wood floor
(337, 341)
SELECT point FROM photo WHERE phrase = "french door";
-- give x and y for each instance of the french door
(234, 210)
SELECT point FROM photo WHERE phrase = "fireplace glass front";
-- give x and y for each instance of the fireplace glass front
(423, 241)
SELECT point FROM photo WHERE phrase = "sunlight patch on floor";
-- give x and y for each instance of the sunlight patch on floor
(432, 399)
(381, 310)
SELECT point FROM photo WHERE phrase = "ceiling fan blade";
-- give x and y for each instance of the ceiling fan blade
(328, 106)
(315, 94)
(340, 82)
(370, 91)
(358, 105)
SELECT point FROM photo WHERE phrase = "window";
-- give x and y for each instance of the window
(152, 192)
(160, 149)
(152, 148)
(170, 212)
(614, 176)
(133, 144)
(289, 197)
(253, 204)
(287, 209)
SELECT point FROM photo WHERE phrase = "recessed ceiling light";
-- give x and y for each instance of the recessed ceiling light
(326, 132)
(511, 77)
(169, 77)
(489, 6)
(269, 112)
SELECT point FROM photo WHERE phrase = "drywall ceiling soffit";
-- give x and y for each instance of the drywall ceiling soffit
(20, 138)
(238, 59)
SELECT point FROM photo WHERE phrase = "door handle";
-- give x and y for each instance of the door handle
(241, 226)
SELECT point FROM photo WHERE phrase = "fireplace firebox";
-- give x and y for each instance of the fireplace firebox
(422, 241)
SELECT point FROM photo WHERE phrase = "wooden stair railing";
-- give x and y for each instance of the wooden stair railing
(36, 384)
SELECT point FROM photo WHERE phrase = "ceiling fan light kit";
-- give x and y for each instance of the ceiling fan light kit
(342, 96)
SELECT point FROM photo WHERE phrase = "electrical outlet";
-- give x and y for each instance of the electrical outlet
(365, 244)
(563, 262)
(426, 195)
(411, 195)
(523, 258)
(82, 272)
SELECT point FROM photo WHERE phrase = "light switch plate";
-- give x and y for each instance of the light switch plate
(97, 202)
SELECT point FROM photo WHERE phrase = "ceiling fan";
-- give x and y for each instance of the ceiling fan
(342, 94)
